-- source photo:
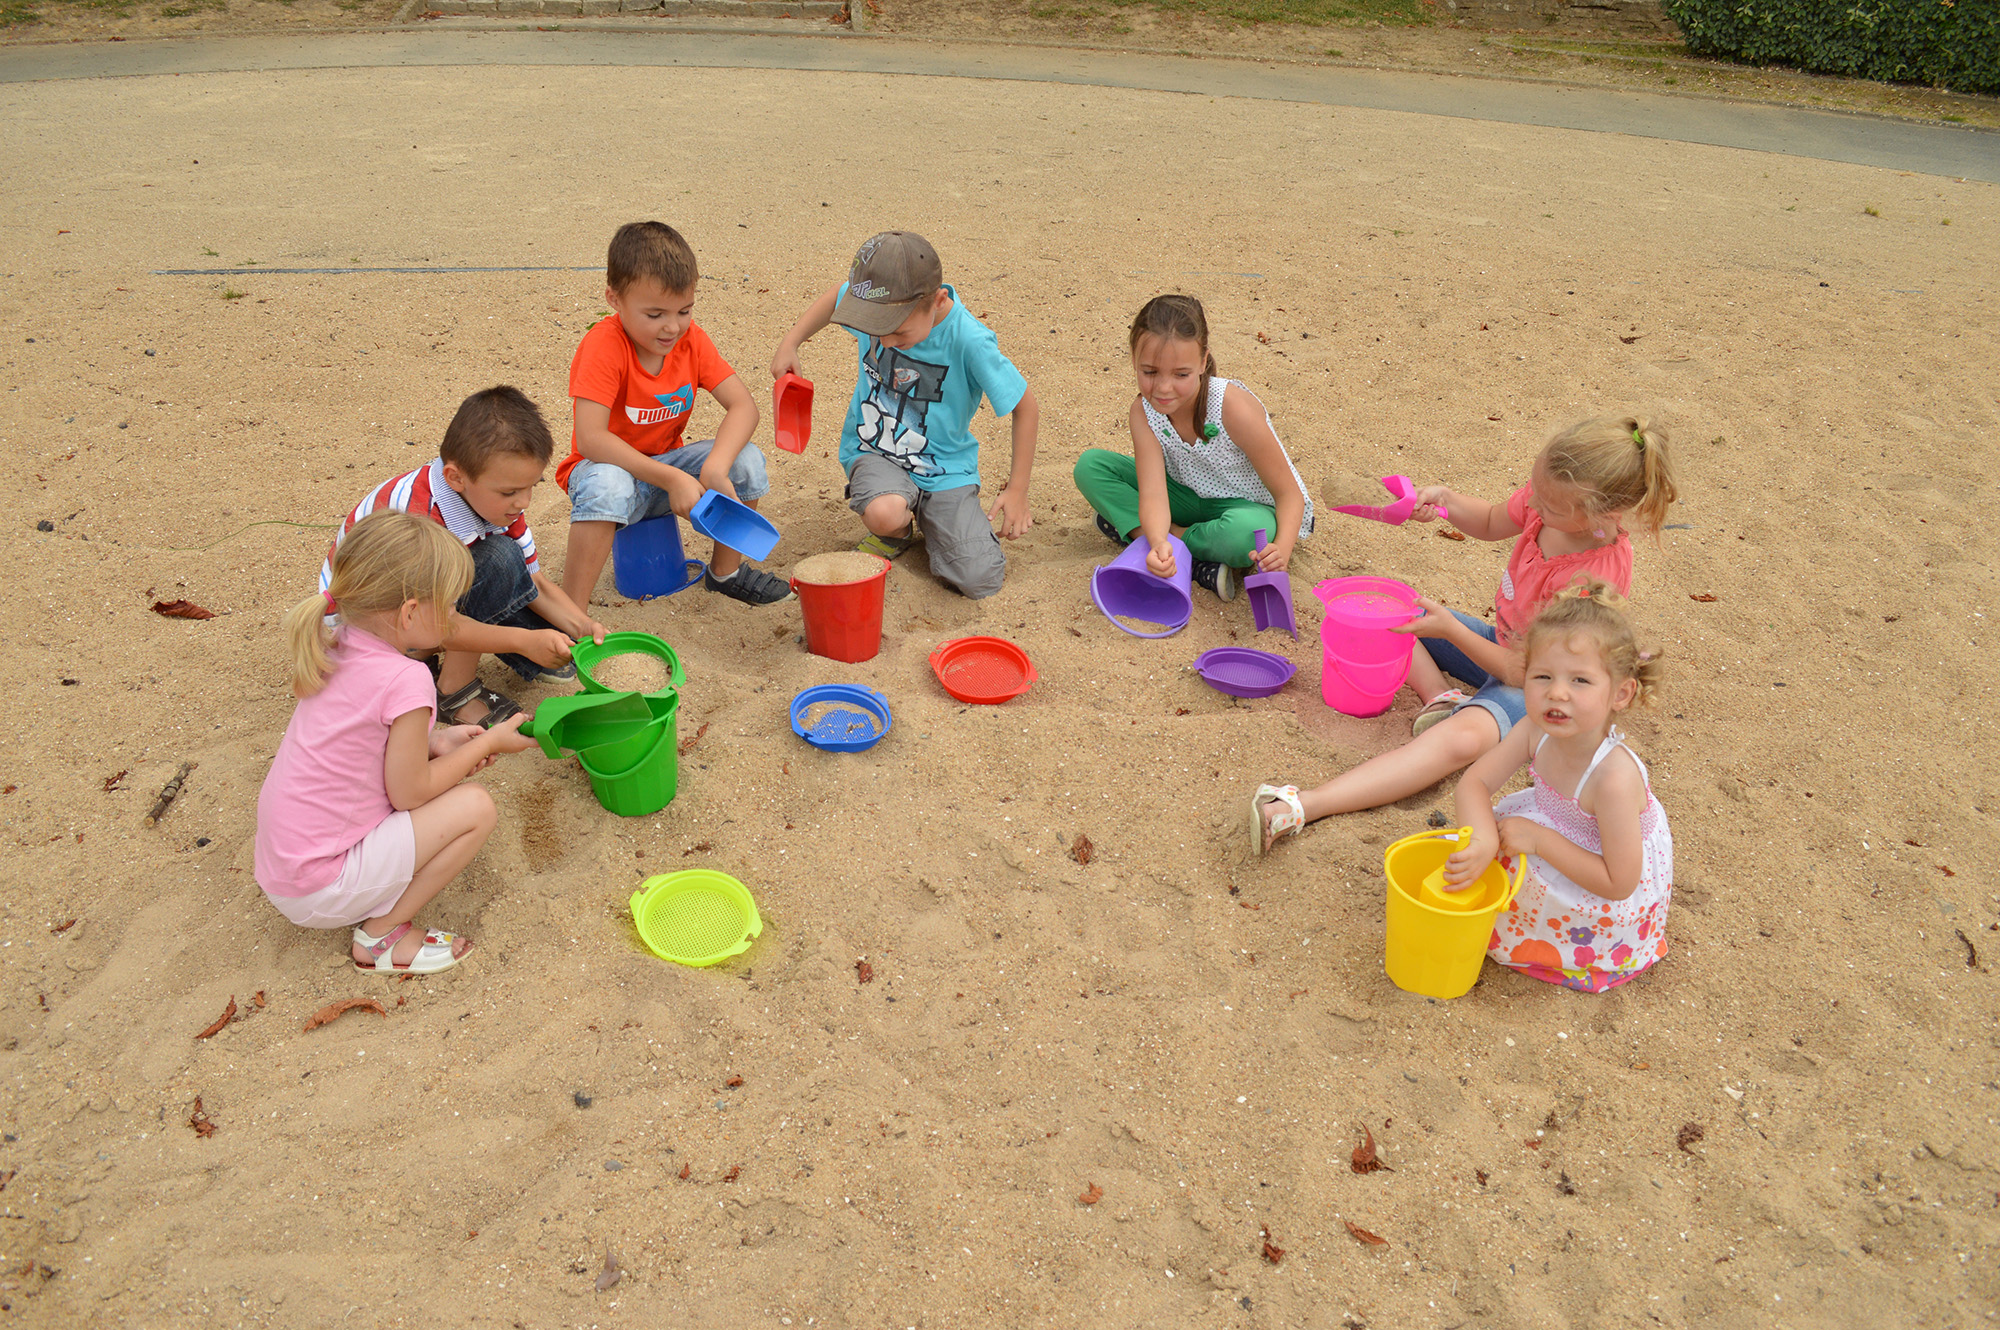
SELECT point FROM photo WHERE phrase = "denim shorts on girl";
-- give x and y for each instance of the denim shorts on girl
(1506, 704)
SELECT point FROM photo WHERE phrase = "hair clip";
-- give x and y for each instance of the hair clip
(1210, 431)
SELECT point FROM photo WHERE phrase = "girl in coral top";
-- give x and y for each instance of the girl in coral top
(1569, 521)
(1592, 909)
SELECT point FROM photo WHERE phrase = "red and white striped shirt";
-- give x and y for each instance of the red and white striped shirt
(425, 491)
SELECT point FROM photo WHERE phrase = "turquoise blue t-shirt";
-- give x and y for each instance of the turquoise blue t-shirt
(915, 407)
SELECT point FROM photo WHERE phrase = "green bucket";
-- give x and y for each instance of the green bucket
(637, 776)
(587, 653)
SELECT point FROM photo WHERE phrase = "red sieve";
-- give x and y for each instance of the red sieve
(982, 669)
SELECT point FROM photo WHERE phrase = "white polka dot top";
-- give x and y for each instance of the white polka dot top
(1216, 468)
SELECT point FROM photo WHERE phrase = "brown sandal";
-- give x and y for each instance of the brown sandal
(498, 705)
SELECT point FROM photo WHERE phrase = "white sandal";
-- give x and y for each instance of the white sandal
(1291, 819)
(433, 956)
(1441, 707)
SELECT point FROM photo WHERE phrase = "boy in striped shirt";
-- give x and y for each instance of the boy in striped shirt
(493, 456)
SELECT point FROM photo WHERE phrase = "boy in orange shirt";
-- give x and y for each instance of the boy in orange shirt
(633, 382)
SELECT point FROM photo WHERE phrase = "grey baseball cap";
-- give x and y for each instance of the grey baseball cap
(893, 273)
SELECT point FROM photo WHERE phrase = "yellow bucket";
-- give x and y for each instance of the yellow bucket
(1436, 943)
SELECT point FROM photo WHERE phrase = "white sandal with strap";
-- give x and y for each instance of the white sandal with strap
(435, 955)
(1289, 820)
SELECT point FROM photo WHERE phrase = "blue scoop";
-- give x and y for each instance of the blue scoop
(735, 525)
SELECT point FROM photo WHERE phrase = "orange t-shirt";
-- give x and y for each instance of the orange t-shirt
(648, 411)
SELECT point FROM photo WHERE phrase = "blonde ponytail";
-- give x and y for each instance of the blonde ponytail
(1616, 464)
(382, 561)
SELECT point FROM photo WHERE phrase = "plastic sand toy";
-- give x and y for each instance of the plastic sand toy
(840, 718)
(986, 670)
(696, 917)
(1435, 940)
(1243, 672)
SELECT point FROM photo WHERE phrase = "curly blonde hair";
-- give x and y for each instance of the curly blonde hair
(1593, 609)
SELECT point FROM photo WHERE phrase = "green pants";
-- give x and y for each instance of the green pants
(1221, 529)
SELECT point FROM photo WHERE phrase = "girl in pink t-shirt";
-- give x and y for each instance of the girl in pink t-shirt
(363, 818)
(1568, 522)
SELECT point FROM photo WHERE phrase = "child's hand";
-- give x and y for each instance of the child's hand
(548, 647)
(506, 737)
(1463, 868)
(786, 362)
(1432, 504)
(1273, 558)
(716, 478)
(1519, 836)
(1437, 621)
(1160, 558)
(1012, 507)
(593, 630)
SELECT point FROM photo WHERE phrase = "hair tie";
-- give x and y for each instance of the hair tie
(1645, 656)
(1210, 431)
(1639, 437)
(332, 606)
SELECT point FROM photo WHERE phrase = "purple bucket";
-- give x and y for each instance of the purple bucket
(1123, 589)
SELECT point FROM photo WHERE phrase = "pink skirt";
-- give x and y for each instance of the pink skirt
(372, 879)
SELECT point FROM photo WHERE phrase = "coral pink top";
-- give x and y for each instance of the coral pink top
(1533, 578)
(328, 788)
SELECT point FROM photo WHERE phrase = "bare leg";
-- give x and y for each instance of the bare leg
(887, 515)
(1449, 746)
(725, 560)
(450, 829)
(589, 547)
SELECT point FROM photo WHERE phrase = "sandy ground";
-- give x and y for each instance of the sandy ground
(1200, 1035)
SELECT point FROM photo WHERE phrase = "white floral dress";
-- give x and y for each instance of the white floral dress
(1559, 932)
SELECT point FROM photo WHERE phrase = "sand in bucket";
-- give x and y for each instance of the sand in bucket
(838, 568)
(632, 672)
(840, 600)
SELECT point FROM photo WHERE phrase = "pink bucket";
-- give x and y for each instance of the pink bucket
(1363, 663)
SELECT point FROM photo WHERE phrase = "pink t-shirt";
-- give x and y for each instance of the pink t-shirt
(1533, 578)
(327, 788)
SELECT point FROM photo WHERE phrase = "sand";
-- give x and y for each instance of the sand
(632, 672)
(837, 568)
(1195, 1037)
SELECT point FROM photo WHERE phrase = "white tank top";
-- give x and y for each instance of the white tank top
(1216, 468)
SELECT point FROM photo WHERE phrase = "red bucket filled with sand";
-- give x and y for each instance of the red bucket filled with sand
(840, 597)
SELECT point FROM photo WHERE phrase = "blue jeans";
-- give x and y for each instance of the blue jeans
(502, 590)
(1506, 704)
(607, 492)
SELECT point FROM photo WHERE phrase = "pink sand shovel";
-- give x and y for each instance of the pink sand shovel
(1394, 514)
(1271, 599)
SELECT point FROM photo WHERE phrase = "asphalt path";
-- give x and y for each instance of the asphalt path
(1862, 140)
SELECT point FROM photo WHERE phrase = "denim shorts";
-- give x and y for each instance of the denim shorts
(1505, 703)
(607, 492)
(501, 593)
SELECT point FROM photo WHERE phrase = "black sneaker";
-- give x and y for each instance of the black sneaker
(1217, 577)
(1110, 530)
(752, 586)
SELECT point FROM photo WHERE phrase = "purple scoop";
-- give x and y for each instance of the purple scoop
(1243, 672)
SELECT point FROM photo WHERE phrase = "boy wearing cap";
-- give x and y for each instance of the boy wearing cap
(907, 446)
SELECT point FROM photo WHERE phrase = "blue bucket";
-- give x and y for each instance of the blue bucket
(647, 559)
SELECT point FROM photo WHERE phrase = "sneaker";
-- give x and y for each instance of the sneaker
(752, 586)
(561, 674)
(1217, 577)
(1110, 531)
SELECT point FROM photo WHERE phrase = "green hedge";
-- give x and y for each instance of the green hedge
(1945, 43)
